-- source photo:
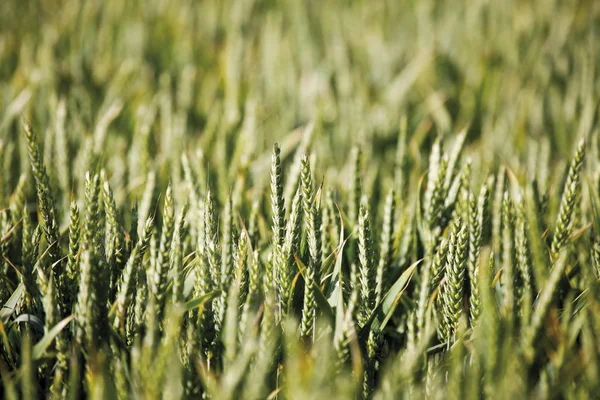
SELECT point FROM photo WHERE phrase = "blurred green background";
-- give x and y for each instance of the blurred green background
(152, 80)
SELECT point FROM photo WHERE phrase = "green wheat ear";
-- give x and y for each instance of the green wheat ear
(454, 287)
(386, 244)
(277, 201)
(159, 279)
(564, 222)
(367, 270)
(47, 209)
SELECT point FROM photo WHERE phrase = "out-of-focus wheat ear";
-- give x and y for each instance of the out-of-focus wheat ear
(18, 200)
(52, 317)
(213, 261)
(355, 189)
(508, 262)
(177, 255)
(433, 214)
(74, 239)
(433, 175)
(453, 156)
(112, 243)
(126, 290)
(572, 191)
(146, 201)
(253, 232)
(544, 300)
(386, 244)
(51, 312)
(312, 218)
(497, 207)
(251, 276)
(401, 161)
(462, 207)
(373, 344)
(367, 274)
(240, 259)
(228, 243)
(334, 227)
(2, 176)
(61, 147)
(523, 259)
(326, 217)
(293, 175)
(424, 289)
(28, 383)
(5, 232)
(83, 319)
(29, 302)
(141, 303)
(353, 291)
(438, 264)
(488, 323)
(96, 298)
(596, 256)
(231, 323)
(47, 204)
(267, 325)
(58, 387)
(477, 218)
(159, 282)
(211, 240)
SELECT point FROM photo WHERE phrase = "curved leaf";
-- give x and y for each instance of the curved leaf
(199, 302)
(41, 346)
(9, 307)
(31, 319)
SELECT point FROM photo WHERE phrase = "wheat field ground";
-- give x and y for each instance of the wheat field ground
(260, 199)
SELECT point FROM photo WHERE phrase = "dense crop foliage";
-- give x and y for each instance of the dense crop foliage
(321, 199)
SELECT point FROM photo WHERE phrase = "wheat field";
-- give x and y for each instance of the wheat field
(261, 199)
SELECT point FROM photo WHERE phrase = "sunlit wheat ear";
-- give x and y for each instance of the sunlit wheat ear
(291, 247)
(564, 222)
(355, 188)
(508, 258)
(453, 289)
(74, 238)
(386, 244)
(277, 201)
(312, 219)
(159, 278)
(367, 271)
(48, 212)
(477, 220)
(523, 260)
(129, 278)
(176, 256)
